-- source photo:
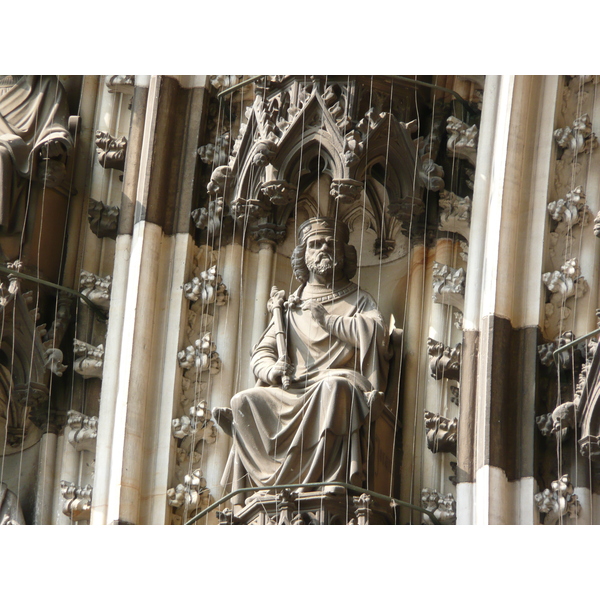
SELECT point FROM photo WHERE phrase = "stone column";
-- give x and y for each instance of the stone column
(497, 420)
(45, 479)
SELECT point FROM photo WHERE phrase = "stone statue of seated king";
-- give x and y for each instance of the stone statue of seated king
(321, 369)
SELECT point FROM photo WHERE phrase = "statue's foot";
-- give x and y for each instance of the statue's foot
(224, 418)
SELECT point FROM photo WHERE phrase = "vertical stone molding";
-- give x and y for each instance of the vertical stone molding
(558, 502)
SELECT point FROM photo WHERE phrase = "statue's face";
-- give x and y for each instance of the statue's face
(324, 255)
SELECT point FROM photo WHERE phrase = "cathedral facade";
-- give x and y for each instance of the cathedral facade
(161, 240)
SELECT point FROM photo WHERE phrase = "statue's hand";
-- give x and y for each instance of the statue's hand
(280, 369)
(318, 312)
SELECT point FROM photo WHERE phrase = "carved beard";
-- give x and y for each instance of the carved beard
(323, 264)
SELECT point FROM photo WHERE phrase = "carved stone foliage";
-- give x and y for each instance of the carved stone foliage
(444, 361)
(455, 394)
(96, 288)
(202, 355)
(442, 507)
(111, 150)
(83, 430)
(565, 362)
(212, 216)
(208, 288)
(462, 140)
(77, 501)
(562, 285)
(103, 219)
(441, 433)
(192, 494)
(456, 213)
(89, 360)
(346, 190)
(216, 154)
(578, 138)
(121, 83)
(448, 285)
(570, 211)
(558, 502)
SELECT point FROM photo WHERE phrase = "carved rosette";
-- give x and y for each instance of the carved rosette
(442, 507)
(111, 151)
(462, 140)
(441, 433)
(456, 213)
(77, 501)
(444, 361)
(83, 431)
(448, 285)
(97, 289)
(558, 502)
(103, 219)
(89, 360)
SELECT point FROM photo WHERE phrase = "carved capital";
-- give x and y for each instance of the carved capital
(456, 213)
(441, 433)
(448, 285)
(111, 150)
(83, 430)
(462, 140)
(558, 502)
(442, 507)
(279, 192)
(346, 191)
(444, 361)
(77, 501)
(89, 359)
(103, 219)
(96, 288)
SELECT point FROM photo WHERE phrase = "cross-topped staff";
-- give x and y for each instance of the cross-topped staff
(275, 306)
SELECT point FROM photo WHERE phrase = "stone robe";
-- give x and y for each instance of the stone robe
(315, 430)
(32, 112)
